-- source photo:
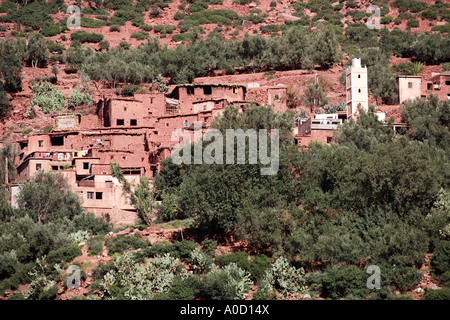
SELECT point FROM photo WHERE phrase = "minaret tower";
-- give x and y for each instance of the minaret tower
(356, 85)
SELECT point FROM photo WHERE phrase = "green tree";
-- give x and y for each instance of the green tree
(11, 55)
(49, 197)
(314, 97)
(381, 82)
(141, 195)
(37, 50)
(7, 156)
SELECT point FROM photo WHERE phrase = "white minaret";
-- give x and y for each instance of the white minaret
(356, 84)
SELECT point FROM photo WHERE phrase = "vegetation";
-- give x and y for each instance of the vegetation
(312, 225)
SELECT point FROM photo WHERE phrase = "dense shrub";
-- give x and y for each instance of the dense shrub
(50, 29)
(441, 258)
(413, 23)
(158, 28)
(83, 36)
(386, 20)
(95, 245)
(63, 255)
(47, 97)
(182, 288)
(120, 244)
(241, 259)
(179, 249)
(227, 283)
(114, 28)
(341, 282)
(77, 98)
(443, 28)
(129, 90)
(140, 35)
(441, 294)
(91, 23)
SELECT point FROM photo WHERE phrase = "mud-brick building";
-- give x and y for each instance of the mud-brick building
(439, 85)
(134, 132)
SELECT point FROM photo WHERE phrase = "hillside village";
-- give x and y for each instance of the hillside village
(75, 102)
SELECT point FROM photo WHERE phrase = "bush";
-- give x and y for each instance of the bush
(121, 243)
(63, 255)
(169, 28)
(91, 223)
(228, 283)
(443, 29)
(209, 246)
(179, 16)
(95, 246)
(344, 281)
(441, 258)
(77, 98)
(258, 267)
(182, 288)
(104, 45)
(441, 294)
(147, 27)
(405, 278)
(183, 37)
(270, 28)
(114, 28)
(55, 47)
(184, 248)
(241, 259)
(413, 23)
(129, 89)
(179, 249)
(50, 29)
(386, 20)
(160, 249)
(91, 23)
(47, 97)
(83, 36)
(140, 35)
(158, 28)
(429, 14)
(124, 45)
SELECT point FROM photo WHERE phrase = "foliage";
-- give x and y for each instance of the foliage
(63, 255)
(381, 82)
(168, 209)
(8, 153)
(344, 281)
(48, 197)
(159, 83)
(314, 96)
(142, 197)
(134, 281)
(95, 245)
(11, 54)
(408, 68)
(120, 244)
(77, 98)
(201, 262)
(227, 283)
(441, 294)
(140, 35)
(84, 36)
(283, 278)
(441, 258)
(47, 97)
